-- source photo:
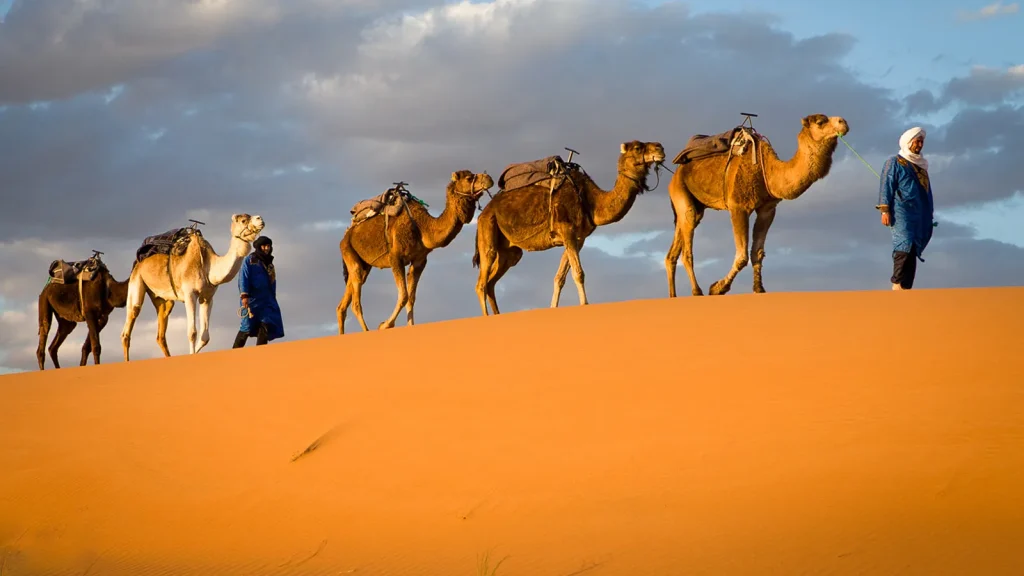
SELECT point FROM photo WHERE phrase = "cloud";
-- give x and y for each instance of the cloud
(983, 86)
(993, 10)
(296, 110)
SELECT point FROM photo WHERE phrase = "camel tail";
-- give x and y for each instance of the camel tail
(476, 248)
(344, 271)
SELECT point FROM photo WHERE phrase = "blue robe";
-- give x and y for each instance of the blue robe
(907, 192)
(255, 281)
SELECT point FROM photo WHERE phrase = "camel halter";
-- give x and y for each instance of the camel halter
(657, 165)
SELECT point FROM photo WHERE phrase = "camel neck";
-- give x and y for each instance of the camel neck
(611, 206)
(117, 292)
(224, 268)
(788, 180)
(439, 232)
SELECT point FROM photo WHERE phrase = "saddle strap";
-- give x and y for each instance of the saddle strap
(81, 297)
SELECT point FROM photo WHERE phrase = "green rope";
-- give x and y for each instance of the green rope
(421, 202)
(859, 156)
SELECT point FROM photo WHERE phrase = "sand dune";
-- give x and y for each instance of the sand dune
(800, 433)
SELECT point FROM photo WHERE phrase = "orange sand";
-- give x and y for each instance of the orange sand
(781, 434)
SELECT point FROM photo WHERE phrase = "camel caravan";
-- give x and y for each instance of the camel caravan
(540, 204)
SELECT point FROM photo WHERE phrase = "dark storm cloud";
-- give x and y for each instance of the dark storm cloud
(296, 110)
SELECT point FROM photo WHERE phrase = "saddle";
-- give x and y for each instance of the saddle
(64, 272)
(699, 146)
(523, 174)
(173, 241)
(390, 203)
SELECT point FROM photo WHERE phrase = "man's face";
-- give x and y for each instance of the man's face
(266, 248)
(917, 144)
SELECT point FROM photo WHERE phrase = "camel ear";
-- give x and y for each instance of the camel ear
(805, 122)
(455, 176)
(622, 148)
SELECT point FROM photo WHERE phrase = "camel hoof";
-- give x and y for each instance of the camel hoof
(719, 288)
(759, 289)
(698, 292)
(383, 326)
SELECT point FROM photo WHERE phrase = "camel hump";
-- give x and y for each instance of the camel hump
(522, 174)
(391, 203)
(174, 241)
(703, 145)
(65, 272)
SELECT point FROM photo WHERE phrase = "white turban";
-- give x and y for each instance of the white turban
(905, 146)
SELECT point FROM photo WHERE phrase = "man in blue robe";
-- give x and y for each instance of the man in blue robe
(905, 201)
(257, 287)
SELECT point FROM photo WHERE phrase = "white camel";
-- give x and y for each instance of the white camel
(191, 277)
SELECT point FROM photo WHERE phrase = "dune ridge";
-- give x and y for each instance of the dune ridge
(780, 433)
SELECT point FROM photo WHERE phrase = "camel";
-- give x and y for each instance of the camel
(535, 218)
(89, 301)
(190, 276)
(405, 239)
(754, 184)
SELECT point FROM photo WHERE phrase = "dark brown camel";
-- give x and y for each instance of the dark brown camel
(100, 296)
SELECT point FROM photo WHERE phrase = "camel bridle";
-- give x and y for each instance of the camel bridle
(250, 229)
(476, 198)
(648, 161)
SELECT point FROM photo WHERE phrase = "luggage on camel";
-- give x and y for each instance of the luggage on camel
(549, 169)
(734, 140)
(390, 204)
(174, 241)
(64, 272)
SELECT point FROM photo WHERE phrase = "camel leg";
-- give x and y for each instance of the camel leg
(352, 286)
(398, 269)
(346, 299)
(64, 329)
(506, 260)
(682, 244)
(415, 271)
(163, 314)
(572, 250)
(133, 306)
(563, 271)
(762, 223)
(93, 322)
(87, 345)
(357, 278)
(340, 311)
(45, 318)
(741, 233)
(191, 297)
(487, 237)
(488, 268)
(205, 308)
(356, 272)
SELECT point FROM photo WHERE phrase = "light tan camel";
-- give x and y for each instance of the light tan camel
(520, 219)
(189, 277)
(755, 183)
(409, 237)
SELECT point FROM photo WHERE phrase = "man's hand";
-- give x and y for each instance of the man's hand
(245, 299)
(886, 220)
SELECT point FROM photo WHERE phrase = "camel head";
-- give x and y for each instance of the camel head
(636, 158)
(824, 129)
(245, 227)
(468, 187)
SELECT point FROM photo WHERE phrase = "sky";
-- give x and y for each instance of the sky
(121, 118)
